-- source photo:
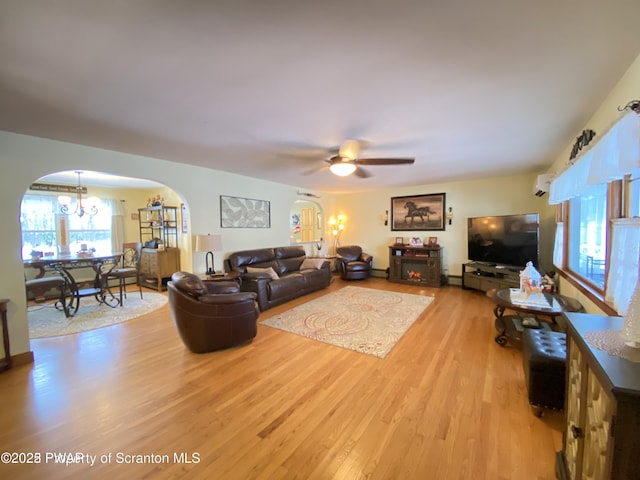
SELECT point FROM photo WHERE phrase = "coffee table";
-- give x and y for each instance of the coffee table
(548, 305)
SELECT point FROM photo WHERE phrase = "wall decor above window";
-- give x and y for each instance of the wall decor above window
(236, 212)
(418, 212)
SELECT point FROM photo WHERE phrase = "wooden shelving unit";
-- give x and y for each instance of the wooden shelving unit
(158, 225)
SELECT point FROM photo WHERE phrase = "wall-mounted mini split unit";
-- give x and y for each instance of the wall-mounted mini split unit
(543, 182)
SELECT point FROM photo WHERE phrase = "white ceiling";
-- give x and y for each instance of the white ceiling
(265, 88)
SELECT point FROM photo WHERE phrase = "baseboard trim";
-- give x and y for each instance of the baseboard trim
(24, 358)
(378, 273)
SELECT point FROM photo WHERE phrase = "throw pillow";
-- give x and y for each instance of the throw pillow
(270, 271)
(312, 263)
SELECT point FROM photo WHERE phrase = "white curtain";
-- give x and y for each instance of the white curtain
(611, 156)
(572, 183)
(117, 224)
(558, 245)
(618, 153)
(623, 266)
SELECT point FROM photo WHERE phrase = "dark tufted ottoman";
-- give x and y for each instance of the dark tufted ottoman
(544, 358)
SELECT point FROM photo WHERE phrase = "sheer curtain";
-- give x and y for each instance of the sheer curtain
(623, 267)
(558, 245)
(117, 224)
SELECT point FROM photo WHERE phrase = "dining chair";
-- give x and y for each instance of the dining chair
(130, 268)
(38, 286)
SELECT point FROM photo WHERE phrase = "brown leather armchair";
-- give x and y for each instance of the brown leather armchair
(353, 263)
(211, 315)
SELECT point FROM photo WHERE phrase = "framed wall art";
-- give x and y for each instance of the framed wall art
(237, 212)
(418, 212)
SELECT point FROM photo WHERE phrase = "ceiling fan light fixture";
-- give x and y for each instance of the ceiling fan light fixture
(342, 169)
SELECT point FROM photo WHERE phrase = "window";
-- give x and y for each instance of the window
(634, 195)
(602, 190)
(40, 218)
(588, 235)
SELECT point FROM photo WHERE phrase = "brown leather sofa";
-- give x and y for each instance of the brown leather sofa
(211, 315)
(353, 263)
(292, 274)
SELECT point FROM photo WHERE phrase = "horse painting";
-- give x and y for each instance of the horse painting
(414, 211)
(418, 212)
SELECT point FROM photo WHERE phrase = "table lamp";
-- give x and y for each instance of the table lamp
(208, 243)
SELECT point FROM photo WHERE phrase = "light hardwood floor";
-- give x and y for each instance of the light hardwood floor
(446, 403)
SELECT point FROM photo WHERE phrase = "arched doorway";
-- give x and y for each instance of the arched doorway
(49, 229)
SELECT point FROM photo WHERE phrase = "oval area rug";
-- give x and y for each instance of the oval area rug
(45, 321)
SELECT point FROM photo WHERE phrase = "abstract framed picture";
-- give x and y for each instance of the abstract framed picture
(237, 212)
(418, 212)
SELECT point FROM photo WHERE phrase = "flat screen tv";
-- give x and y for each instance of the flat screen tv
(504, 240)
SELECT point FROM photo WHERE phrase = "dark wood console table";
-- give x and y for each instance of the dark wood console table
(6, 363)
(416, 265)
(551, 306)
(600, 439)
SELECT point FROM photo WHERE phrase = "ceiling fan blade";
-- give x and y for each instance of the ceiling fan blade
(361, 172)
(385, 161)
(314, 170)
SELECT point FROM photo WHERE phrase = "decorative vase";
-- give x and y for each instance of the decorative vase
(631, 326)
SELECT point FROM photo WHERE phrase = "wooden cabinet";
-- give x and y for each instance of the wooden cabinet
(601, 439)
(481, 276)
(159, 224)
(415, 265)
(157, 266)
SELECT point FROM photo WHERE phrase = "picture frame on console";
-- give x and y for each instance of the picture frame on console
(416, 242)
(418, 212)
(433, 241)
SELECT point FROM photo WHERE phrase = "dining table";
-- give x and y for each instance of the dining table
(65, 265)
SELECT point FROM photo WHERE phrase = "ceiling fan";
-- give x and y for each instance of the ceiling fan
(347, 160)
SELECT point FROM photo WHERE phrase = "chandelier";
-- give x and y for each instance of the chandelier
(90, 207)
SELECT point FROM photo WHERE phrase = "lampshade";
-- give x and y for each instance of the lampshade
(342, 169)
(208, 243)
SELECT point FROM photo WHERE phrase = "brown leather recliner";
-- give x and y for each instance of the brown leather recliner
(353, 263)
(211, 315)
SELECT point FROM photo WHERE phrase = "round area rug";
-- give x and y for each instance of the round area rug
(46, 321)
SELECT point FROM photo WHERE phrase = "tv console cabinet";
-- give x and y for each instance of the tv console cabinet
(484, 276)
(416, 265)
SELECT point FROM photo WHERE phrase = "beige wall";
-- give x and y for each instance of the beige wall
(625, 91)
